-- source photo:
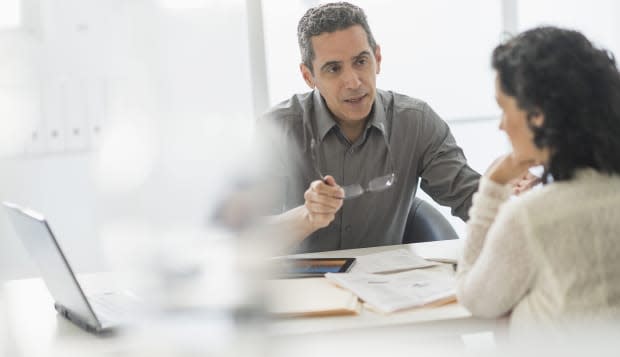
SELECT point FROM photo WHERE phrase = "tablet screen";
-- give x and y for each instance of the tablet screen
(307, 267)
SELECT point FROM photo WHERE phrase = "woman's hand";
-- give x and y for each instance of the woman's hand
(525, 183)
(507, 168)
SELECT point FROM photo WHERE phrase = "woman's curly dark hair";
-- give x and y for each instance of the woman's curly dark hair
(576, 86)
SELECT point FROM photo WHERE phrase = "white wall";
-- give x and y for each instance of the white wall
(169, 87)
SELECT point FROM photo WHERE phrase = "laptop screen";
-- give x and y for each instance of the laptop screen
(39, 241)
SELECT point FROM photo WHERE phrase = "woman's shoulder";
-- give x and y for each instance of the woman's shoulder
(553, 198)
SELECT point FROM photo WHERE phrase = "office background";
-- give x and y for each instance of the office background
(124, 120)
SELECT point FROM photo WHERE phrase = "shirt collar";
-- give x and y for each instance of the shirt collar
(325, 120)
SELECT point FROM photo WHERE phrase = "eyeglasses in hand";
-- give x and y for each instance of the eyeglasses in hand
(377, 184)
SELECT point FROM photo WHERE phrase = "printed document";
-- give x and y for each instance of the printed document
(389, 293)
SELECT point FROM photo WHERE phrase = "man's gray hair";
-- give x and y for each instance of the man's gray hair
(328, 18)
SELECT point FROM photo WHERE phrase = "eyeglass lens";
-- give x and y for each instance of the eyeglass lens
(352, 191)
(375, 185)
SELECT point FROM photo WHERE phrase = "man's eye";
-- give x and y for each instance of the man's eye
(333, 69)
(362, 61)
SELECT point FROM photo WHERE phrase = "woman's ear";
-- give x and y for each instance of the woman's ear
(537, 118)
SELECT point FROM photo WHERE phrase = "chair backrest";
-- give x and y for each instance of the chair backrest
(426, 224)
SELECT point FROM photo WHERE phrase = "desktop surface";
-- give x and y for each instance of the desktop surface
(37, 329)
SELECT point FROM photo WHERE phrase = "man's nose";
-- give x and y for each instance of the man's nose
(352, 79)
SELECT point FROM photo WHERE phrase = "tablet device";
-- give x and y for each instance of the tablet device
(313, 267)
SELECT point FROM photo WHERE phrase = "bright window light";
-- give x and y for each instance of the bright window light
(10, 13)
(182, 4)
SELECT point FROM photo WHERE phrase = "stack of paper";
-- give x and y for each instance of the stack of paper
(445, 251)
(389, 262)
(310, 297)
(388, 293)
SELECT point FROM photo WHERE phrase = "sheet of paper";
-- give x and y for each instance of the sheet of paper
(445, 251)
(389, 261)
(388, 293)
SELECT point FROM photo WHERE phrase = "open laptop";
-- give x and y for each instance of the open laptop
(97, 313)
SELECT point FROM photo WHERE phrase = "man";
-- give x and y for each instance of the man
(358, 152)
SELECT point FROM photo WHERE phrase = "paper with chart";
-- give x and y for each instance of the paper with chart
(389, 293)
(390, 261)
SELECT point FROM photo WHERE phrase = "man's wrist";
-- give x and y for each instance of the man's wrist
(296, 222)
(306, 225)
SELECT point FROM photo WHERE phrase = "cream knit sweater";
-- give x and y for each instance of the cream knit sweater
(550, 257)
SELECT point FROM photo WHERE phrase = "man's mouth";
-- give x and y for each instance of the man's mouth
(355, 100)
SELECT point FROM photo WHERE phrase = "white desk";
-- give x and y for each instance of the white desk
(370, 319)
(36, 329)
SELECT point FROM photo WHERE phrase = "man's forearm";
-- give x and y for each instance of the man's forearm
(293, 225)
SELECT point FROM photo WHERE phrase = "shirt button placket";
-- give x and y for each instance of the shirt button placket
(347, 219)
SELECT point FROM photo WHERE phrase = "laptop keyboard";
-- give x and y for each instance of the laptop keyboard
(114, 306)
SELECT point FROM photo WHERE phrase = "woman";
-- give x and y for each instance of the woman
(550, 256)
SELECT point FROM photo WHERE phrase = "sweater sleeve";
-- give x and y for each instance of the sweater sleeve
(495, 270)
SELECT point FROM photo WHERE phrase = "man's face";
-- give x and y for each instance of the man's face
(345, 73)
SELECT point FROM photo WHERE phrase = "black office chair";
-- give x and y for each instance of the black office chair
(426, 224)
